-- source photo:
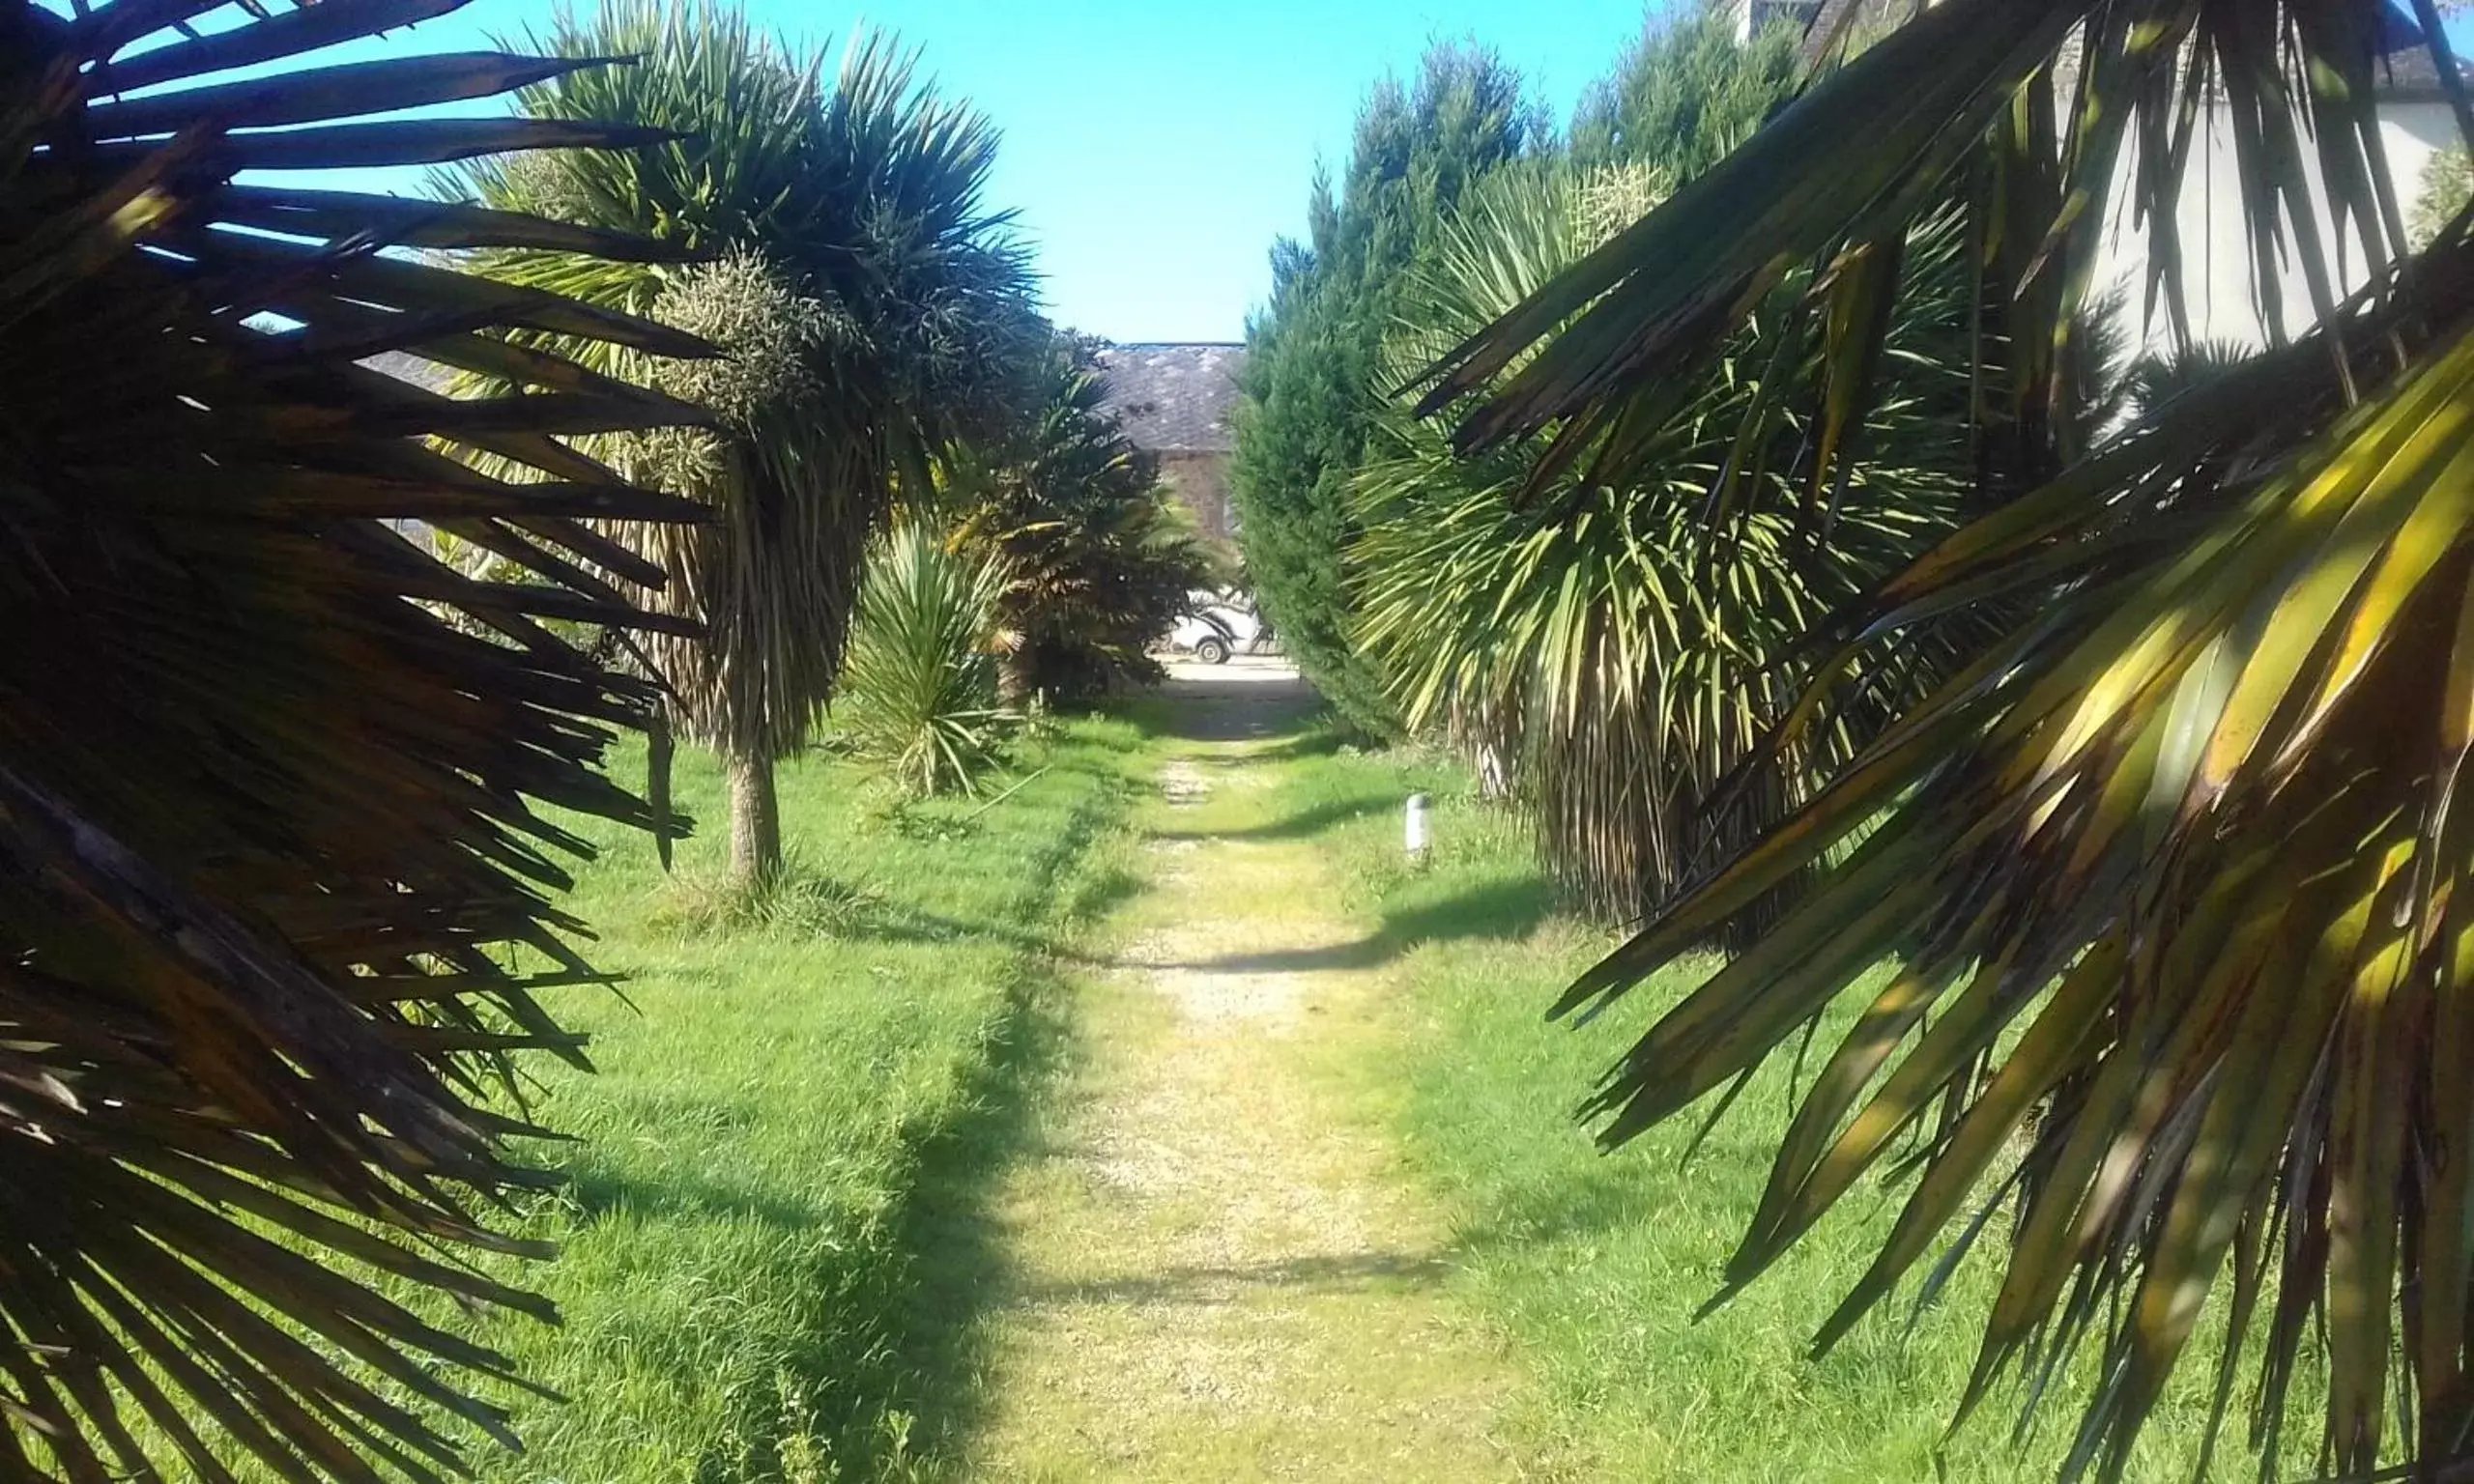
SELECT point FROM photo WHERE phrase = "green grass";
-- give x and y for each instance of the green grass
(764, 1274)
(1593, 1266)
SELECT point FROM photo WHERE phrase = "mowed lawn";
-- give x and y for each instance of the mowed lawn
(766, 1253)
(1592, 1266)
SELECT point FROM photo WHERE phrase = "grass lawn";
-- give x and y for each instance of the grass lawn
(758, 1281)
(1593, 1266)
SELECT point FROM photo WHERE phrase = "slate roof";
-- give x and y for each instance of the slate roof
(1174, 398)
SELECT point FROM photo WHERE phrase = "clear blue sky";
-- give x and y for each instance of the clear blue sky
(1154, 151)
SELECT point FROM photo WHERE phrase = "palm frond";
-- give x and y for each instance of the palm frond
(2173, 871)
(1583, 628)
(852, 271)
(274, 887)
(1099, 565)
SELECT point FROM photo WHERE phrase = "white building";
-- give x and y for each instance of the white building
(1753, 15)
(2415, 124)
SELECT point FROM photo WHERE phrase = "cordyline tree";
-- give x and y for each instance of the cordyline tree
(1312, 381)
(2175, 872)
(870, 308)
(1578, 631)
(268, 830)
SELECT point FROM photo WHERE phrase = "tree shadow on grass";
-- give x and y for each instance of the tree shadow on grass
(958, 1266)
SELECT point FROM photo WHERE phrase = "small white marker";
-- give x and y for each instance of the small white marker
(1418, 834)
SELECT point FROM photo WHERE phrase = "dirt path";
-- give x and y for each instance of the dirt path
(1216, 1272)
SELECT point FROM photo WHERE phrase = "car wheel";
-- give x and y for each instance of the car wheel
(1212, 652)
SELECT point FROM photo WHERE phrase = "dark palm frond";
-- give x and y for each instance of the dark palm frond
(274, 884)
(2175, 873)
(1962, 103)
(1628, 672)
(872, 308)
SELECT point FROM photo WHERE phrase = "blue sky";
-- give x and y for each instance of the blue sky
(1154, 151)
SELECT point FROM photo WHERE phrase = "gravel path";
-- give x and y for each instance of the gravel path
(1216, 1269)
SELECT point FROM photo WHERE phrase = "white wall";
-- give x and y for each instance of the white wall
(2215, 239)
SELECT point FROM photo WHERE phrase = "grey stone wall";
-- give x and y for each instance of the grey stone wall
(1200, 483)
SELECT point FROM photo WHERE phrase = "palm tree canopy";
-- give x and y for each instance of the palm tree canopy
(270, 843)
(845, 204)
(1581, 627)
(2173, 870)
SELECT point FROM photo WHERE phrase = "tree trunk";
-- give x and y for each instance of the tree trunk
(1012, 678)
(755, 822)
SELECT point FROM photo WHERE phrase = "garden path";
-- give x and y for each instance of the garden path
(1216, 1269)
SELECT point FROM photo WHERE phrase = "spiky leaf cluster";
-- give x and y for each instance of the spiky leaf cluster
(1578, 627)
(1100, 561)
(872, 308)
(275, 881)
(2176, 873)
(920, 696)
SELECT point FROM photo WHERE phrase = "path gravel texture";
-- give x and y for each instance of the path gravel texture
(1216, 1269)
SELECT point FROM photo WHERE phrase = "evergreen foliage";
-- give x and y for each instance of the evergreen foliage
(919, 695)
(1685, 93)
(1312, 382)
(277, 842)
(1098, 559)
(2173, 880)
(1575, 629)
(873, 307)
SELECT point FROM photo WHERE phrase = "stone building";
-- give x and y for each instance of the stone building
(1175, 401)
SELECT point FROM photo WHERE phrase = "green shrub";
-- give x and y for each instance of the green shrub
(1098, 559)
(919, 688)
(1312, 381)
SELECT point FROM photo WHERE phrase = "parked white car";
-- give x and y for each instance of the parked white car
(1220, 625)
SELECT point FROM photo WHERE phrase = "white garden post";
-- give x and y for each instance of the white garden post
(1418, 835)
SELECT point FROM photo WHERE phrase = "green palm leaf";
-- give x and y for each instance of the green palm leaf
(2174, 870)
(1100, 561)
(920, 698)
(270, 843)
(1581, 630)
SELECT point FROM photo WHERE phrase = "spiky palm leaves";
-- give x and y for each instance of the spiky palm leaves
(267, 838)
(1099, 564)
(1580, 627)
(873, 311)
(920, 693)
(2177, 872)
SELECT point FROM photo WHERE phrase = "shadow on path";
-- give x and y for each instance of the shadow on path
(1216, 1284)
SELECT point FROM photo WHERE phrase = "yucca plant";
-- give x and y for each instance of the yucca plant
(919, 696)
(2175, 873)
(872, 307)
(1579, 627)
(1099, 560)
(274, 888)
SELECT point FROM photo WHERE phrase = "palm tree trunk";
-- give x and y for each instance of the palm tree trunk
(1013, 677)
(756, 821)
